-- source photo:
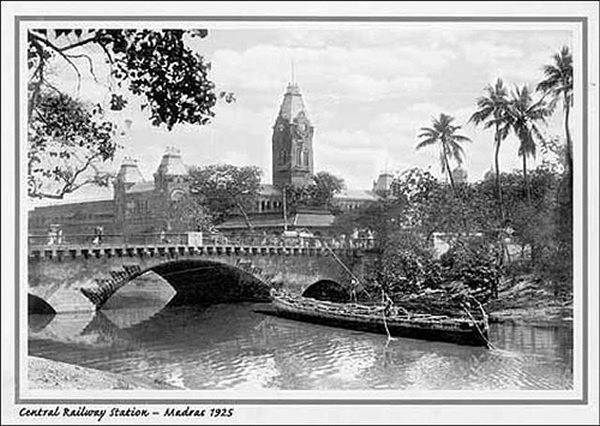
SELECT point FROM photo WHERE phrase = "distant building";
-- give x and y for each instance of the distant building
(292, 142)
(293, 165)
(140, 206)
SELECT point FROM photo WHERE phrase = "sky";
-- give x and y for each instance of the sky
(368, 90)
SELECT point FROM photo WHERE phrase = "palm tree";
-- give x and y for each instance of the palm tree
(492, 110)
(443, 132)
(558, 83)
(523, 115)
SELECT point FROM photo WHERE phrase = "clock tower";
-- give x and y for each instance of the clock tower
(292, 151)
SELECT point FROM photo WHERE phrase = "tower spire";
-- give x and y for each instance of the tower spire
(293, 77)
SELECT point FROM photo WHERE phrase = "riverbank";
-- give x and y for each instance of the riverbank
(46, 374)
(525, 300)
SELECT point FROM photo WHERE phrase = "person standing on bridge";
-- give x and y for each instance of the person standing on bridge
(98, 231)
(50, 236)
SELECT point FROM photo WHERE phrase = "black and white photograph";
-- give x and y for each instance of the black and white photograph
(306, 213)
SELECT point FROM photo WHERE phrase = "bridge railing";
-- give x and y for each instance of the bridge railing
(108, 240)
(183, 239)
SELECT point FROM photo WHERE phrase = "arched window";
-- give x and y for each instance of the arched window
(299, 152)
(305, 157)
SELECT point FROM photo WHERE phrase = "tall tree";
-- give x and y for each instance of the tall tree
(524, 115)
(158, 66)
(443, 132)
(492, 110)
(189, 214)
(558, 83)
(318, 193)
(226, 189)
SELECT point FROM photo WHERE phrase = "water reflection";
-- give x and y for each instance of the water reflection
(230, 346)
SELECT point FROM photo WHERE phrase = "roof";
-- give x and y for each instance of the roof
(299, 220)
(129, 172)
(384, 182)
(356, 194)
(257, 221)
(145, 186)
(292, 104)
(267, 190)
(313, 220)
(171, 164)
(92, 204)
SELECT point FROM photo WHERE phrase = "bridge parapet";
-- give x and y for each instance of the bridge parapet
(61, 252)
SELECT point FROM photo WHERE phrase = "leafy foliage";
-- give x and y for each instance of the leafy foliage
(226, 189)
(523, 115)
(474, 264)
(493, 110)
(382, 218)
(444, 133)
(66, 141)
(558, 83)
(156, 65)
(189, 213)
(317, 194)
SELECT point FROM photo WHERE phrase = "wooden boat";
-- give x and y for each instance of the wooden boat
(468, 329)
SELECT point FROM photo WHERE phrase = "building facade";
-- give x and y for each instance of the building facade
(140, 206)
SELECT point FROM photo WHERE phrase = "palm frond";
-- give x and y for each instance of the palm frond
(426, 142)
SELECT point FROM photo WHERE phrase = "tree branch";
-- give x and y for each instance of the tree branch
(60, 52)
(89, 61)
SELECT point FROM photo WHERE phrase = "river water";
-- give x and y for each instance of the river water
(229, 346)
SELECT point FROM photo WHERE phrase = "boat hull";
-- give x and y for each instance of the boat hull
(462, 332)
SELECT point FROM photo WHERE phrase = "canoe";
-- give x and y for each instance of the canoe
(469, 329)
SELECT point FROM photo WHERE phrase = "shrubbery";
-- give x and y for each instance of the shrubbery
(407, 266)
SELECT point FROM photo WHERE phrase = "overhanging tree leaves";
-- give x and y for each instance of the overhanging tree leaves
(156, 65)
(66, 141)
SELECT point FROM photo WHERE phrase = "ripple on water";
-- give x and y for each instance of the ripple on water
(232, 347)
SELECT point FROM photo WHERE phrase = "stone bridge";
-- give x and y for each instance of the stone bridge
(83, 278)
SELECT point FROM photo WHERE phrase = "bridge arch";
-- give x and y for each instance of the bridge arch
(327, 290)
(37, 305)
(82, 279)
(195, 282)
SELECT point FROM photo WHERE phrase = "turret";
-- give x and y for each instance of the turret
(171, 177)
(170, 170)
(292, 141)
(129, 173)
(382, 186)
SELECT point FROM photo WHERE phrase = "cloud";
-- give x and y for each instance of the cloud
(368, 90)
(486, 53)
(348, 72)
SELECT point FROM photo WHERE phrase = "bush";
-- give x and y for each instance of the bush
(475, 264)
